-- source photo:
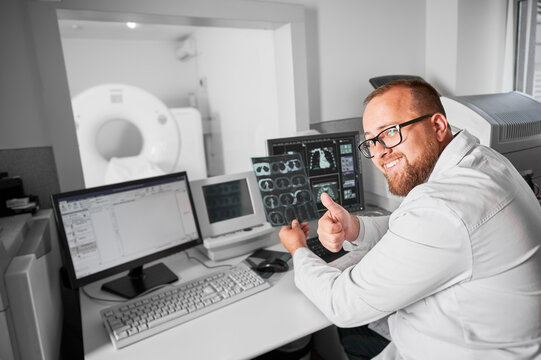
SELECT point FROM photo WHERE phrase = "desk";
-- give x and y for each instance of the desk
(242, 330)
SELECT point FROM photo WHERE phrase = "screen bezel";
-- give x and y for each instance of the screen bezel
(322, 137)
(234, 224)
(75, 282)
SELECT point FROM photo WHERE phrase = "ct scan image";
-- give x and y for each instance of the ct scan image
(285, 189)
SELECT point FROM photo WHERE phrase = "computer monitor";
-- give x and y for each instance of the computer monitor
(109, 229)
(228, 203)
(332, 165)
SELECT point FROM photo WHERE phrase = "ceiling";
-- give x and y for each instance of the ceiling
(88, 29)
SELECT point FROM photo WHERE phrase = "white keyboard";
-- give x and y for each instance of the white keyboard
(153, 313)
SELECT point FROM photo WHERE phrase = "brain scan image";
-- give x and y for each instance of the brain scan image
(299, 180)
(271, 201)
(276, 218)
(278, 167)
(329, 187)
(284, 186)
(286, 199)
(303, 196)
(294, 165)
(266, 184)
(262, 169)
(281, 183)
(290, 214)
(306, 211)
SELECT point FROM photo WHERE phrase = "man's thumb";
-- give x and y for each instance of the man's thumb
(327, 201)
(295, 223)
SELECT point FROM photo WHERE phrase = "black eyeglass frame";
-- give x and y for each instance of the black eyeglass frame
(397, 127)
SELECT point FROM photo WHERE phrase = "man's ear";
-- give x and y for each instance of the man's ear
(440, 126)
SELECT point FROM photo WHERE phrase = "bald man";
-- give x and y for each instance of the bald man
(457, 267)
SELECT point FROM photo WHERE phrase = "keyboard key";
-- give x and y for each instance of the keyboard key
(317, 248)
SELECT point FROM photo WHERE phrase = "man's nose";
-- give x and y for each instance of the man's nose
(379, 150)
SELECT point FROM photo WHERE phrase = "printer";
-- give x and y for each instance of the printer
(30, 294)
(507, 122)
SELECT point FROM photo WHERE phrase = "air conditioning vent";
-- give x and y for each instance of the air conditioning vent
(516, 125)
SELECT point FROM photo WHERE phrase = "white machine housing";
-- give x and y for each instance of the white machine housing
(30, 290)
(507, 122)
(235, 236)
(172, 139)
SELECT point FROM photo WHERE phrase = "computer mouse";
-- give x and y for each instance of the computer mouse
(273, 265)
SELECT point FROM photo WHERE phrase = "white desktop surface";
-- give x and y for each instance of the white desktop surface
(242, 330)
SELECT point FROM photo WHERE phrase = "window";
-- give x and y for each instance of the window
(528, 47)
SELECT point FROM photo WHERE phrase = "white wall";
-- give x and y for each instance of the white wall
(466, 46)
(350, 41)
(41, 74)
(481, 46)
(455, 44)
(22, 123)
(285, 86)
(442, 45)
(238, 66)
(151, 65)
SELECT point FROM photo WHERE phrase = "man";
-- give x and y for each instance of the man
(457, 266)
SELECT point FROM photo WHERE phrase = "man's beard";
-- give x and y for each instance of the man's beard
(414, 174)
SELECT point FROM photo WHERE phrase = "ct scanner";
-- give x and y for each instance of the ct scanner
(126, 133)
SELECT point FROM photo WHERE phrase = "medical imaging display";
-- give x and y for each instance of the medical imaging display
(328, 185)
(227, 200)
(322, 158)
(332, 165)
(285, 189)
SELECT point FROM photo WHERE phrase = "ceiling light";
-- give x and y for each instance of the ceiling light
(131, 24)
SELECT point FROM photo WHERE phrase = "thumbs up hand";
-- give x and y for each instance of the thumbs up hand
(336, 225)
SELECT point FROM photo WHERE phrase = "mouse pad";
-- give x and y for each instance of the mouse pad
(285, 189)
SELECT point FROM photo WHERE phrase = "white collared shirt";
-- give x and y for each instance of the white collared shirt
(458, 265)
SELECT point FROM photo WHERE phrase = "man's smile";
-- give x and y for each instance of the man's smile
(391, 164)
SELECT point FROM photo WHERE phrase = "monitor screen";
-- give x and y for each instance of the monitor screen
(227, 200)
(108, 229)
(227, 203)
(332, 165)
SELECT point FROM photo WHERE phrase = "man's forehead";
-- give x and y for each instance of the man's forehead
(386, 110)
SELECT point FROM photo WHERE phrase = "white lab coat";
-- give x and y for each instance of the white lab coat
(458, 265)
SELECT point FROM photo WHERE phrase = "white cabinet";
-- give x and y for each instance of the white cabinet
(30, 299)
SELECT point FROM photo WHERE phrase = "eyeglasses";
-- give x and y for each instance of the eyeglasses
(388, 138)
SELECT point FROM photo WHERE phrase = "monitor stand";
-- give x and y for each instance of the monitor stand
(140, 280)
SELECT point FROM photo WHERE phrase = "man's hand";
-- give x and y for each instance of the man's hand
(294, 236)
(336, 225)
